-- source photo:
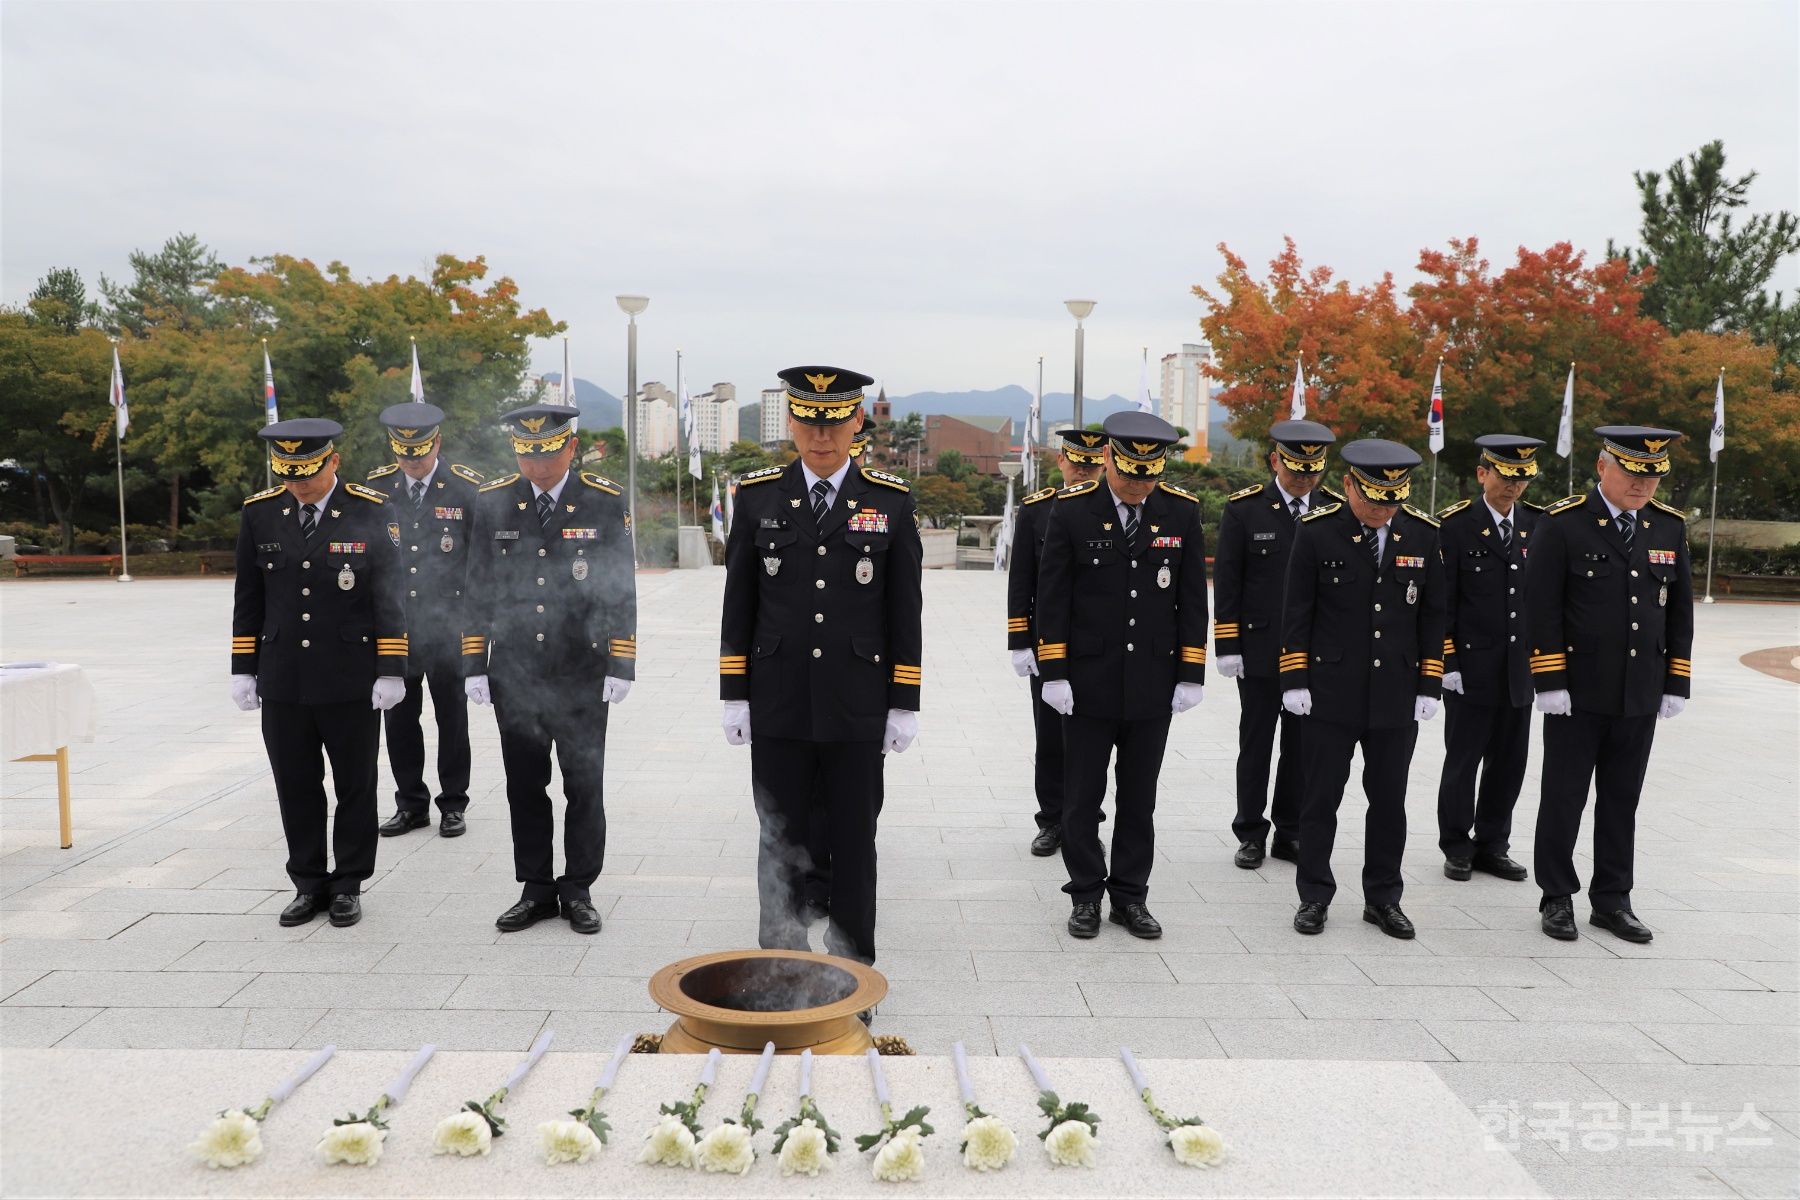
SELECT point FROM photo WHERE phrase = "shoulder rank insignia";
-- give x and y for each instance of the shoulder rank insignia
(886, 480)
(367, 493)
(1566, 503)
(1423, 516)
(1326, 488)
(470, 474)
(1080, 489)
(1245, 493)
(601, 482)
(1669, 508)
(1454, 509)
(501, 482)
(762, 476)
(1528, 504)
(1321, 511)
(378, 472)
(1175, 491)
(272, 492)
(1040, 494)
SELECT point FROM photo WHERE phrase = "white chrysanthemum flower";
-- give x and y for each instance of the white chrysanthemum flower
(567, 1141)
(231, 1141)
(357, 1144)
(1071, 1144)
(988, 1144)
(901, 1157)
(726, 1150)
(669, 1144)
(1197, 1145)
(803, 1151)
(465, 1133)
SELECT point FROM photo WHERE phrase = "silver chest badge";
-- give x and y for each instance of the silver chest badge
(1662, 596)
(346, 578)
(865, 570)
(1412, 592)
(446, 545)
(1163, 577)
(771, 563)
(579, 568)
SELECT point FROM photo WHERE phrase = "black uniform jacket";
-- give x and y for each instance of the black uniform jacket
(1365, 641)
(1485, 619)
(317, 619)
(1030, 524)
(556, 600)
(434, 557)
(1256, 535)
(1122, 623)
(1614, 629)
(821, 628)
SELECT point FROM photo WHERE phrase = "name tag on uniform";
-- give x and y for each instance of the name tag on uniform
(1165, 543)
(1409, 560)
(448, 514)
(769, 523)
(265, 547)
(869, 521)
(1262, 537)
(1103, 544)
(506, 535)
(580, 535)
(347, 548)
(1663, 558)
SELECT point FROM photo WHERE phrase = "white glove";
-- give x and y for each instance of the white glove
(1297, 701)
(1187, 695)
(1060, 696)
(1229, 666)
(1024, 662)
(1671, 707)
(1453, 682)
(243, 693)
(389, 691)
(1555, 704)
(902, 728)
(615, 690)
(475, 687)
(1424, 708)
(736, 722)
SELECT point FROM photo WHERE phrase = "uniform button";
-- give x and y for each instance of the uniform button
(1634, 653)
(1634, 624)
(1515, 566)
(542, 552)
(540, 608)
(878, 658)
(819, 583)
(1634, 574)
(540, 637)
(1378, 608)
(1132, 621)
(1378, 633)
(306, 591)
(415, 549)
(1634, 599)
(818, 653)
(1510, 591)
(1134, 593)
(818, 618)
(1096, 562)
(1512, 639)
(304, 643)
(414, 595)
(1129, 646)
(306, 616)
(540, 581)
(306, 565)
(1134, 564)
(821, 550)
(1378, 662)
(1513, 615)
(412, 570)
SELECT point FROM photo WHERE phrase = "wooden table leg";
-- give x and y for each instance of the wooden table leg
(62, 796)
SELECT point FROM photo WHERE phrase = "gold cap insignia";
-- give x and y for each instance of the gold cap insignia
(407, 433)
(1526, 451)
(1145, 447)
(1655, 445)
(288, 447)
(1309, 451)
(533, 424)
(1393, 472)
(1090, 439)
(821, 382)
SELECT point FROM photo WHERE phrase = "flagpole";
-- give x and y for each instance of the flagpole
(1571, 459)
(119, 471)
(1712, 522)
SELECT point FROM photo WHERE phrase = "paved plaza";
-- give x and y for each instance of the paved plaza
(157, 930)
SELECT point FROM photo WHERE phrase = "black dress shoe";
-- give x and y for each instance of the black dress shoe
(1393, 922)
(1457, 868)
(1137, 921)
(346, 910)
(404, 822)
(1559, 918)
(1311, 917)
(525, 914)
(1084, 921)
(452, 824)
(1284, 848)
(1501, 866)
(816, 910)
(303, 908)
(1622, 922)
(1047, 842)
(583, 917)
(1249, 855)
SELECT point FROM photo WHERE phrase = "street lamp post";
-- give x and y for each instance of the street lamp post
(1079, 309)
(631, 306)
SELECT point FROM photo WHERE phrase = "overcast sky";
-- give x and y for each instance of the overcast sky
(909, 189)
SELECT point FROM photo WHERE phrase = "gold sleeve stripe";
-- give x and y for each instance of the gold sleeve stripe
(1680, 662)
(1225, 628)
(1449, 647)
(1683, 672)
(1018, 624)
(1431, 662)
(621, 649)
(908, 678)
(1432, 672)
(1299, 655)
(1047, 651)
(734, 671)
(733, 660)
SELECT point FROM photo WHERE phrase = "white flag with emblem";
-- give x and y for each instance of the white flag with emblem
(1144, 402)
(418, 380)
(116, 393)
(1297, 406)
(1565, 430)
(1718, 429)
(688, 425)
(1434, 421)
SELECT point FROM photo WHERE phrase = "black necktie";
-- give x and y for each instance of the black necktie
(546, 505)
(1297, 508)
(1374, 545)
(418, 491)
(309, 519)
(1131, 524)
(821, 493)
(1627, 523)
(1505, 532)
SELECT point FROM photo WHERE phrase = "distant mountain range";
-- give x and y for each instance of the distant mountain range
(600, 409)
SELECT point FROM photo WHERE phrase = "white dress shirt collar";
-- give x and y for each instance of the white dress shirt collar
(1287, 501)
(836, 479)
(554, 492)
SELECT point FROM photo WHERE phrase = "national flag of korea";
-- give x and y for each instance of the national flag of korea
(117, 393)
(1297, 404)
(1717, 441)
(1434, 424)
(418, 380)
(268, 388)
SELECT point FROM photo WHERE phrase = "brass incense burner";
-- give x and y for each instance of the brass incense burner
(736, 1000)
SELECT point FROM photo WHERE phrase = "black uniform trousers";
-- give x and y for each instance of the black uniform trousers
(788, 777)
(1259, 714)
(1088, 746)
(406, 741)
(1573, 746)
(350, 734)
(1495, 740)
(1048, 725)
(817, 883)
(572, 721)
(1387, 756)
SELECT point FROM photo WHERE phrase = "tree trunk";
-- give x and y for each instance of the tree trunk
(175, 506)
(64, 509)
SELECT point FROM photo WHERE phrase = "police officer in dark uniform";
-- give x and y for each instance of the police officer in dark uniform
(1081, 457)
(1121, 628)
(318, 641)
(1486, 544)
(551, 642)
(1612, 629)
(1256, 534)
(430, 505)
(1361, 645)
(819, 651)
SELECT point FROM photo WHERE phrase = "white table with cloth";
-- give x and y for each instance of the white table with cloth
(44, 707)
